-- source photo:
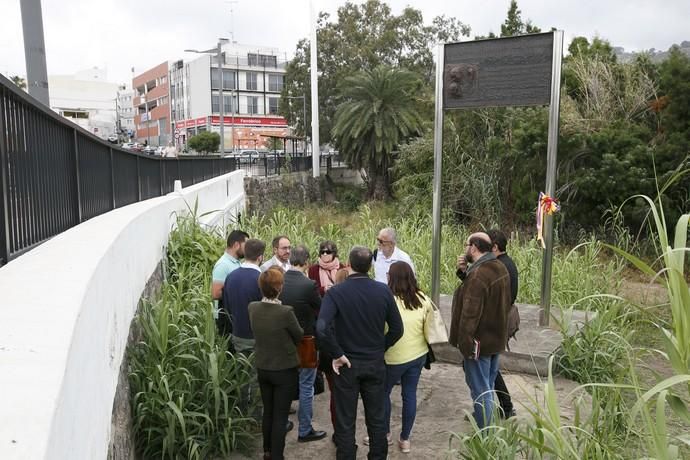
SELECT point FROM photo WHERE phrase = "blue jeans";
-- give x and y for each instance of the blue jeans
(480, 376)
(408, 375)
(306, 398)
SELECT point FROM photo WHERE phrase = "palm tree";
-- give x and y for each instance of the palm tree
(378, 114)
(19, 81)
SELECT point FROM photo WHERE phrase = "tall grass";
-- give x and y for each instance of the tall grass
(185, 385)
(617, 415)
(583, 271)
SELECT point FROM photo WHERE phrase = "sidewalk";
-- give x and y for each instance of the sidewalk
(442, 398)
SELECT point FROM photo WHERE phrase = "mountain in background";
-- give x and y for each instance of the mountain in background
(656, 55)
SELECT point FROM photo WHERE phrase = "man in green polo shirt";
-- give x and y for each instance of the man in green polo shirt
(228, 262)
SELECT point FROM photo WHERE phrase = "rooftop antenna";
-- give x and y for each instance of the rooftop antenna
(232, 19)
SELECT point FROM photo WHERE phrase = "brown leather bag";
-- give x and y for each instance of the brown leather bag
(306, 349)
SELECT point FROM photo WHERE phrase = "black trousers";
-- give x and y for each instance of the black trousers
(277, 389)
(365, 378)
(503, 394)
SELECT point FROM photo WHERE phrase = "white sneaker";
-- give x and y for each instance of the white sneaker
(388, 437)
(404, 446)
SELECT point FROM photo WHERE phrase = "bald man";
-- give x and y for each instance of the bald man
(478, 324)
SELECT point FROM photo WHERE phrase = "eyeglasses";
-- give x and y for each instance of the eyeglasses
(326, 251)
(285, 248)
(382, 242)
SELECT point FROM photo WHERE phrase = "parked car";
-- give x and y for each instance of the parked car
(112, 139)
(128, 145)
(150, 150)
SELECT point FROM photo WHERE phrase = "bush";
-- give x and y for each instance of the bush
(185, 384)
(204, 142)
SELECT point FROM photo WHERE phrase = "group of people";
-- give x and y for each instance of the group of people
(370, 332)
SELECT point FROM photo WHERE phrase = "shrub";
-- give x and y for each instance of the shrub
(185, 384)
(204, 142)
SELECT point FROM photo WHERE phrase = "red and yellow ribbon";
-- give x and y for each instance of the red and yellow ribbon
(546, 206)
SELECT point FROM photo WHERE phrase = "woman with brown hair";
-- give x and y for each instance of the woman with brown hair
(325, 270)
(405, 359)
(277, 333)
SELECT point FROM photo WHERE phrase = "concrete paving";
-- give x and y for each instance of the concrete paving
(530, 352)
(442, 399)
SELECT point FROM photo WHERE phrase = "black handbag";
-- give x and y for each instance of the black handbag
(430, 358)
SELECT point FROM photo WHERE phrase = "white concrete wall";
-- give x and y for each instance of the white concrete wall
(65, 312)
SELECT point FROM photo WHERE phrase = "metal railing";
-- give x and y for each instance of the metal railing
(55, 175)
(271, 164)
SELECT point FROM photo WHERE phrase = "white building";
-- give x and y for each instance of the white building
(86, 98)
(252, 80)
(125, 111)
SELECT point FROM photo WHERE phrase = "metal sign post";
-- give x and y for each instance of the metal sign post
(512, 71)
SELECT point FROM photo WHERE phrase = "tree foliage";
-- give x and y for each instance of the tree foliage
(378, 113)
(363, 37)
(623, 125)
(514, 25)
(19, 81)
(204, 142)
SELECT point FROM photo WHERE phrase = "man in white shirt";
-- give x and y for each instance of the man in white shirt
(281, 254)
(387, 253)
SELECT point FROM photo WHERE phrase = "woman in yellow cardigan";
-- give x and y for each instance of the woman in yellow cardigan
(405, 359)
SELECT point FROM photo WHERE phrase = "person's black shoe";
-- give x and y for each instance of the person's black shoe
(506, 415)
(292, 411)
(312, 436)
(289, 426)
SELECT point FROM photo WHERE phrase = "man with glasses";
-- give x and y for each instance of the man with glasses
(281, 254)
(478, 322)
(386, 253)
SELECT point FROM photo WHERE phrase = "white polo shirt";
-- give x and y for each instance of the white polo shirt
(275, 261)
(383, 264)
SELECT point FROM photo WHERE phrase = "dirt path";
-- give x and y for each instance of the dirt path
(442, 399)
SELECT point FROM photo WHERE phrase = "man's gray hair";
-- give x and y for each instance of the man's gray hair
(299, 256)
(390, 231)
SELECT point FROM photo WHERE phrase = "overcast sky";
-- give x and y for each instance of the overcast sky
(121, 34)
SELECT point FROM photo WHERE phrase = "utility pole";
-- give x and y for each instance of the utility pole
(221, 97)
(35, 51)
(315, 150)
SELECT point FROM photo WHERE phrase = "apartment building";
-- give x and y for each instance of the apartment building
(125, 112)
(86, 98)
(252, 80)
(151, 106)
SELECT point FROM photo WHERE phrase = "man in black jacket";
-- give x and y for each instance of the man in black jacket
(301, 294)
(499, 242)
(359, 309)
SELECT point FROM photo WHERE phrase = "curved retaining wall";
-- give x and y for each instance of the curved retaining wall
(65, 313)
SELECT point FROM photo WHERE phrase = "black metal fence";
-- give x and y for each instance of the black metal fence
(55, 175)
(269, 164)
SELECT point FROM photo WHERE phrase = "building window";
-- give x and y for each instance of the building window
(262, 60)
(230, 103)
(215, 82)
(163, 100)
(273, 105)
(251, 81)
(252, 105)
(275, 83)
(228, 79)
(163, 80)
(215, 103)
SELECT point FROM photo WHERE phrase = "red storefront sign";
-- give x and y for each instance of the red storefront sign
(250, 121)
(201, 121)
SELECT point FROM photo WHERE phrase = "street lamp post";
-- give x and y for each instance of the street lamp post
(304, 116)
(219, 57)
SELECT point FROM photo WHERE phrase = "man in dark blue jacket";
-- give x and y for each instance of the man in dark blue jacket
(351, 327)
(240, 289)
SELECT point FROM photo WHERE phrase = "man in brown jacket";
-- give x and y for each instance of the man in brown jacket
(478, 325)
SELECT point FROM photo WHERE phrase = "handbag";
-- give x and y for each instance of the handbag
(307, 352)
(434, 327)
